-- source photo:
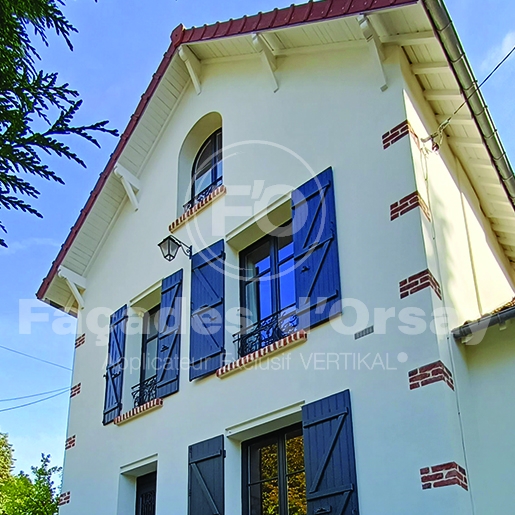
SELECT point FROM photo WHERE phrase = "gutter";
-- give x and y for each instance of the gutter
(452, 47)
(484, 323)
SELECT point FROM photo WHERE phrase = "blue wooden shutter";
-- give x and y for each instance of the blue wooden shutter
(206, 477)
(207, 311)
(317, 267)
(169, 339)
(329, 456)
(115, 363)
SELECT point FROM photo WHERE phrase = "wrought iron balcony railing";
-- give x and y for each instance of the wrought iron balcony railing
(199, 197)
(267, 331)
(144, 392)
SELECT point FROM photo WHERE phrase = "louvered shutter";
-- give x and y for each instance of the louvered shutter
(317, 267)
(329, 456)
(206, 477)
(207, 311)
(169, 339)
(115, 362)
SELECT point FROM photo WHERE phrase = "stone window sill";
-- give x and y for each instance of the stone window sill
(249, 360)
(139, 411)
(190, 213)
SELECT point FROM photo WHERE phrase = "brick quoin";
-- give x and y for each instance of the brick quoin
(417, 282)
(408, 203)
(429, 374)
(397, 133)
(80, 340)
(75, 390)
(70, 442)
(64, 498)
(446, 474)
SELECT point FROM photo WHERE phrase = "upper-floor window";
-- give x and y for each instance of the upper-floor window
(207, 169)
(274, 474)
(267, 291)
(146, 389)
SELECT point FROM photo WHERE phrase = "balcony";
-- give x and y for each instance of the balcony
(269, 330)
(203, 194)
(144, 392)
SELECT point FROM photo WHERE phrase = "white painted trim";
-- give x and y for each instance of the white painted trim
(130, 183)
(430, 68)
(443, 94)
(267, 58)
(375, 46)
(411, 39)
(143, 462)
(66, 273)
(258, 216)
(74, 282)
(240, 431)
(193, 66)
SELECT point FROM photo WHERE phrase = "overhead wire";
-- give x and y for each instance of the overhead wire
(34, 395)
(33, 402)
(439, 132)
(35, 358)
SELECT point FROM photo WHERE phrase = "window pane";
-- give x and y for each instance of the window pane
(263, 460)
(204, 160)
(285, 247)
(152, 323)
(258, 261)
(264, 498)
(294, 451)
(150, 358)
(203, 182)
(297, 504)
(287, 284)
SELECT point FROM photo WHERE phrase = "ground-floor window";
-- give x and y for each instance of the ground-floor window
(146, 494)
(274, 476)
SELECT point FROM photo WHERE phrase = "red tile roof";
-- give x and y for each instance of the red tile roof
(278, 18)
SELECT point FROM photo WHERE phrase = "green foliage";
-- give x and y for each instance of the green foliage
(35, 110)
(23, 494)
(6, 458)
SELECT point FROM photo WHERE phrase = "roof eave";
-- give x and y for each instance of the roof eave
(448, 36)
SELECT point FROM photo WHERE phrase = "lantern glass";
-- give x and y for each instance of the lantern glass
(169, 248)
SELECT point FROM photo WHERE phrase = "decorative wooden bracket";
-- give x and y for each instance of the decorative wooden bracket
(130, 183)
(193, 66)
(267, 58)
(74, 282)
(375, 46)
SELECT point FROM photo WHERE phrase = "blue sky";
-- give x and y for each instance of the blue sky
(118, 48)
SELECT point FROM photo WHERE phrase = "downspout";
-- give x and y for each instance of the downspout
(452, 46)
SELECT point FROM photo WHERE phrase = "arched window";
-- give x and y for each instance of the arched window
(206, 174)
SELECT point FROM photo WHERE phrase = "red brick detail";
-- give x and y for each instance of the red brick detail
(408, 203)
(64, 498)
(190, 213)
(447, 474)
(70, 442)
(417, 282)
(75, 390)
(241, 363)
(80, 340)
(429, 374)
(397, 133)
(140, 410)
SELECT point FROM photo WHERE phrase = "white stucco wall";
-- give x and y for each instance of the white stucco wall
(489, 415)
(329, 111)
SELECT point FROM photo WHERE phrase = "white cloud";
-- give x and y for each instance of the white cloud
(498, 52)
(28, 243)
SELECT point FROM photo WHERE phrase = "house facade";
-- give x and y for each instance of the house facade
(326, 222)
